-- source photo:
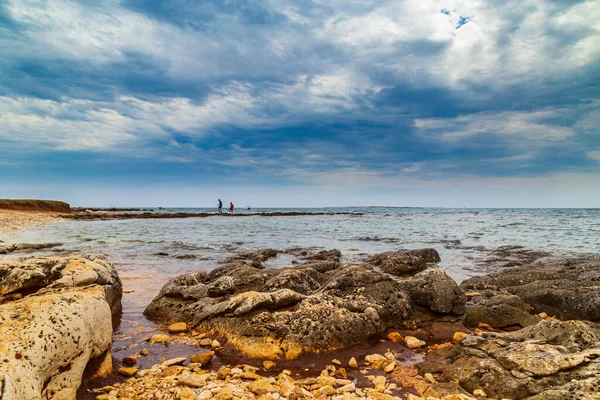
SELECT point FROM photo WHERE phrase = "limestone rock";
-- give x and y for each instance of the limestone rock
(412, 342)
(543, 361)
(562, 286)
(268, 313)
(72, 303)
(435, 290)
(202, 359)
(178, 327)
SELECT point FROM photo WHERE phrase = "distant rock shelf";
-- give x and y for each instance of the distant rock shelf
(102, 216)
(34, 205)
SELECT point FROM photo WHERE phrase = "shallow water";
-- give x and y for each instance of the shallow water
(458, 234)
(461, 236)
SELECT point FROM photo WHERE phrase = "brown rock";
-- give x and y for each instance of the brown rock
(130, 360)
(178, 327)
(128, 371)
(395, 337)
(203, 358)
(412, 342)
(161, 339)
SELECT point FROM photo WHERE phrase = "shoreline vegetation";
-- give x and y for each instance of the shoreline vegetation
(389, 326)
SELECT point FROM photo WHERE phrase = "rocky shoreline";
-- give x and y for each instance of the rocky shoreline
(390, 327)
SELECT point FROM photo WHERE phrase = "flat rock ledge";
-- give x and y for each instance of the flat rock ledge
(316, 306)
(55, 320)
(551, 360)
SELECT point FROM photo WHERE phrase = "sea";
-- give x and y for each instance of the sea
(168, 247)
(147, 252)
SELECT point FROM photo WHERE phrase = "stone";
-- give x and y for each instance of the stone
(174, 361)
(336, 362)
(348, 388)
(268, 364)
(160, 339)
(215, 344)
(429, 378)
(130, 360)
(395, 337)
(379, 383)
(479, 392)
(223, 372)
(72, 300)
(353, 363)
(128, 371)
(262, 386)
(390, 367)
(562, 286)
(548, 360)
(437, 291)
(178, 327)
(144, 352)
(413, 343)
(203, 358)
(206, 342)
(458, 336)
(263, 316)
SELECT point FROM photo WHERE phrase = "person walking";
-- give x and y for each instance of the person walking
(230, 208)
(220, 207)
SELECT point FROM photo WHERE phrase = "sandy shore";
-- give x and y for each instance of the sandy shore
(12, 221)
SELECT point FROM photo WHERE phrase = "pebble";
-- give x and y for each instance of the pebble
(206, 342)
(336, 361)
(178, 327)
(459, 336)
(353, 363)
(144, 352)
(174, 361)
(395, 337)
(479, 392)
(429, 378)
(214, 344)
(130, 360)
(161, 339)
(128, 371)
(268, 364)
(203, 358)
(390, 367)
(412, 342)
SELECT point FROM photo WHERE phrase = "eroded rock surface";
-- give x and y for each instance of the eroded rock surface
(568, 288)
(61, 324)
(402, 263)
(550, 360)
(315, 306)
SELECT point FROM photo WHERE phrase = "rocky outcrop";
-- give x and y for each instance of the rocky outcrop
(316, 306)
(568, 288)
(435, 290)
(61, 323)
(9, 248)
(35, 205)
(401, 263)
(550, 360)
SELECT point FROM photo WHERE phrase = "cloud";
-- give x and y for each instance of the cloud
(286, 91)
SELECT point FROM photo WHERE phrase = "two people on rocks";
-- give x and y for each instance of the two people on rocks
(220, 207)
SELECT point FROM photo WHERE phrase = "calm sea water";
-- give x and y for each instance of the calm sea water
(460, 236)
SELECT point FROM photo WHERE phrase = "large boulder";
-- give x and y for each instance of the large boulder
(60, 324)
(401, 263)
(437, 291)
(543, 361)
(565, 287)
(270, 313)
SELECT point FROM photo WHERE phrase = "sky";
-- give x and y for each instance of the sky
(472, 103)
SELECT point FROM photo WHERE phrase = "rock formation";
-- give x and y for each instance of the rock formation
(315, 306)
(565, 287)
(55, 319)
(548, 361)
